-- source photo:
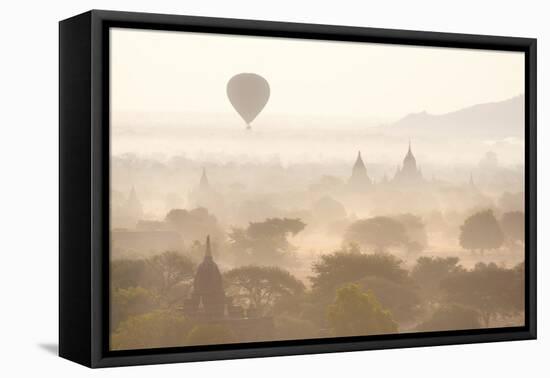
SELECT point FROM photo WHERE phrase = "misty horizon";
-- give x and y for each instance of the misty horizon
(275, 189)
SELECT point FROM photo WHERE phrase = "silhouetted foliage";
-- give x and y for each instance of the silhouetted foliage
(489, 289)
(513, 226)
(481, 231)
(168, 269)
(127, 273)
(356, 312)
(415, 230)
(289, 327)
(518, 287)
(265, 242)
(379, 233)
(128, 302)
(400, 299)
(159, 273)
(451, 317)
(349, 265)
(430, 271)
(157, 329)
(262, 286)
(205, 334)
(195, 224)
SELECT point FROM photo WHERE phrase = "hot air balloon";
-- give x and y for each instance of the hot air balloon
(248, 93)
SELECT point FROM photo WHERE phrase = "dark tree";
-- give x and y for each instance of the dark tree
(349, 265)
(289, 327)
(265, 242)
(400, 299)
(205, 334)
(428, 272)
(156, 329)
(481, 231)
(169, 269)
(128, 302)
(275, 228)
(489, 289)
(261, 287)
(127, 273)
(159, 273)
(513, 226)
(379, 233)
(356, 312)
(195, 224)
(451, 317)
(517, 290)
(415, 230)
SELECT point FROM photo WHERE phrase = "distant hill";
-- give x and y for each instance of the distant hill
(491, 120)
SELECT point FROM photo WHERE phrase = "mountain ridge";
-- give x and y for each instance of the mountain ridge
(498, 119)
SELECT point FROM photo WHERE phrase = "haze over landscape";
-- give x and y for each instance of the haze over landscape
(385, 178)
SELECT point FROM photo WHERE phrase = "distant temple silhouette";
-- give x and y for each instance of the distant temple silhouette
(127, 210)
(208, 296)
(359, 178)
(409, 174)
(204, 195)
(406, 176)
(133, 206)
(204, 185)
(209, 304)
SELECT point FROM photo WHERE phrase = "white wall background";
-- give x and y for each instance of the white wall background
(29, 187)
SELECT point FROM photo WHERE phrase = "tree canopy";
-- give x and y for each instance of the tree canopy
(513, 226)
(428, 272)
(168, 269)
(379, 233)
(140, 286)
(156, 329)
(127, 273)
(262, 286)
(481, 231)
(451, 317)
(128, 302)
(356, 312)
(349, 265)
(159, 273)
(265, 242)
(415, 230)
(205, 334)
(289, 327)
(195, 224)
(401, 299)
(488, 288)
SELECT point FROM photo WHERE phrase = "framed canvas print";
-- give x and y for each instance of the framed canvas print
(234, 188)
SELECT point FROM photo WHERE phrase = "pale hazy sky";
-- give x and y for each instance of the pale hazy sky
(178, 72)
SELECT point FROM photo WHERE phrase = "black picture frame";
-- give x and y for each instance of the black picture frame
(84, 187)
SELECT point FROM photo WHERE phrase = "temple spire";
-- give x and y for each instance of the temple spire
(359, 161)
(133, 204)
(409, 173)
(359, 178)
(204, 180)
(208, 253)
(409, 152)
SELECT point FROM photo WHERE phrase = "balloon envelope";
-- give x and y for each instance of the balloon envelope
(248, 93)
